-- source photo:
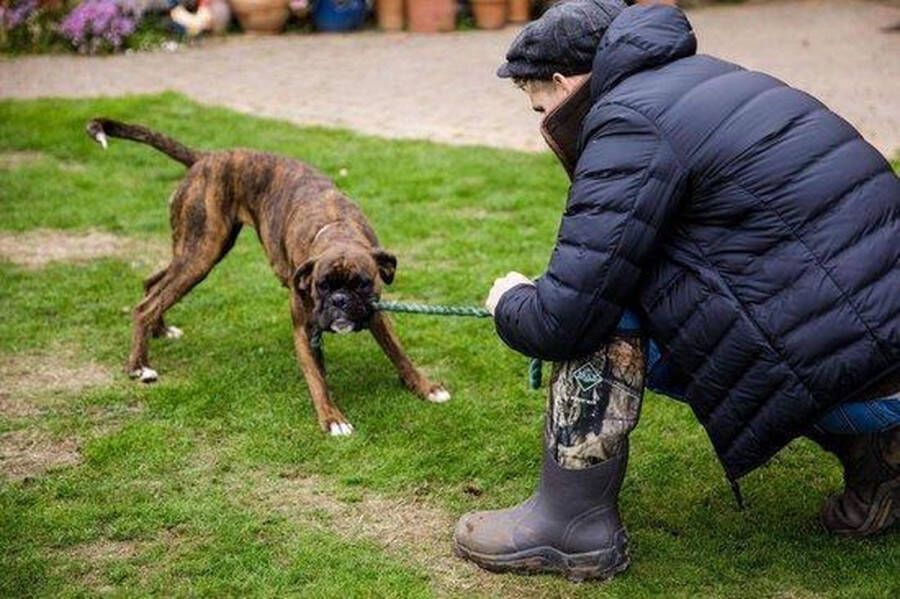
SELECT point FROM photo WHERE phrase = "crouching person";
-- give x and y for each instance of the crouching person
(727, 241)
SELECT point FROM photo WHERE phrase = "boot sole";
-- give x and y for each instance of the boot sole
(577, 567)
(884, 512)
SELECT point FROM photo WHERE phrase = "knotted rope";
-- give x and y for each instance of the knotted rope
(389, 306)
(534, 367)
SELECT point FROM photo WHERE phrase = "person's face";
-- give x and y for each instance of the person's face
(547, 95)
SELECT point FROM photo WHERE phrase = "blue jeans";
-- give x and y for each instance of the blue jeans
(864, 417)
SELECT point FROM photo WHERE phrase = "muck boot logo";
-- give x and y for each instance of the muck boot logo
(587, 377)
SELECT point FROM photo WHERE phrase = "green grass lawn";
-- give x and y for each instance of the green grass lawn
(174, 492)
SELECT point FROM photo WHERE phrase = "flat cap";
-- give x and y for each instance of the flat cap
(564, 40)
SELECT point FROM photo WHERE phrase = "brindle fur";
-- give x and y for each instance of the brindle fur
(288, 203)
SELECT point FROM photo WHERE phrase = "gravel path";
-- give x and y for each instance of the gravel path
(442, 87)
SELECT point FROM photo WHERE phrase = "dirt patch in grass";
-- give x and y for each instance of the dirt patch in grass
(35, 384)
(24, 377)
(104, 549)
(35, 249)
(26, 383)
(93, 556)
(89, 561)
(18, 159)
(29, 453)
(409, 529)
(14, 159)
(16, 407)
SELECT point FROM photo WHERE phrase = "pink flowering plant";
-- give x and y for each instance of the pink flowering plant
(100, 25)
(17, 14)
(30, 25)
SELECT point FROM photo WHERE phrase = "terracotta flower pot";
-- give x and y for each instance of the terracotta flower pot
(519, 11)
(431, 16)
(489, 14)
(389, 14)
(261, 16)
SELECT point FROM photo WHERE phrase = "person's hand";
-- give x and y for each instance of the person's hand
(502, 285)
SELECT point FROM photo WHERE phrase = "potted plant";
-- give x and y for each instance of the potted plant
(431, 16)
(389, 14)
(339, 15)
(261, 16)
(489, 14)
(519, 11)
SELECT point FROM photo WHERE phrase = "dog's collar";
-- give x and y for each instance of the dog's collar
(324, 228)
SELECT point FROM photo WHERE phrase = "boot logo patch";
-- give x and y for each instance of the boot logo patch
(587, 377)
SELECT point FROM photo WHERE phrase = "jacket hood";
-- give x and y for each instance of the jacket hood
(640, 38)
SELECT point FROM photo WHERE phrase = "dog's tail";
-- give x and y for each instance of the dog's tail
(100, 130)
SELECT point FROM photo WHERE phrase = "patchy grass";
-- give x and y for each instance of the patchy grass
(26, 376)
(201, 484)
(27, 453)
(36, 249)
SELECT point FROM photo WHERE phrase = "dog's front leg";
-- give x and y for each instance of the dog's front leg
(314, 333)
(387, 339)
(330, 418)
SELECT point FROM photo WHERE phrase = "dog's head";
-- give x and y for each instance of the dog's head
(342, 284)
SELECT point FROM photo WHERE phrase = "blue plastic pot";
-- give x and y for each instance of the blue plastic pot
(339, 15)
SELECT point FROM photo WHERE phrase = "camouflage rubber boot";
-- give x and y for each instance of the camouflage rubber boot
(571, 526)
(870, 502)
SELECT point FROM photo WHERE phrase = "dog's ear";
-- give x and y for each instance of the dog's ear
(303, 274)
(387, 265)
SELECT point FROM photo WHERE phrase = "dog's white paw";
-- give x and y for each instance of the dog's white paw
(145, 375)
(174, 332)
(340, 429)
(439, 395)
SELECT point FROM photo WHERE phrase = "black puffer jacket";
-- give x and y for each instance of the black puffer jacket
(755, 231)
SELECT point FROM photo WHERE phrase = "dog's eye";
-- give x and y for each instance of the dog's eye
(323, 286)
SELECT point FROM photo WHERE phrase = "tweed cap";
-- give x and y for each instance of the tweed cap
(564, 40)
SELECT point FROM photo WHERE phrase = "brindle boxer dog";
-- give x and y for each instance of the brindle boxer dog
(318, 242)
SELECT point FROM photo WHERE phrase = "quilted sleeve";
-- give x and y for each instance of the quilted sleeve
(626, 188)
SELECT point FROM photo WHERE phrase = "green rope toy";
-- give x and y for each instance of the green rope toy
(534, 367)
(389, 306)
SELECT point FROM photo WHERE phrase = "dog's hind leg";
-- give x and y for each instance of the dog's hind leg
(411, 376)
(159, 328)
(153, 279)
(182, 275)
(205, 237)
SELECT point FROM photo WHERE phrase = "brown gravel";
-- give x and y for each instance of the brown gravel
(442, 87)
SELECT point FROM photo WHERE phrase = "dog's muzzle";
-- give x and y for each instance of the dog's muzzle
(345, 312)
